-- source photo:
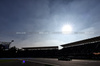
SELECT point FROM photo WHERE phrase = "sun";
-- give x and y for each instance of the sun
(66, 29)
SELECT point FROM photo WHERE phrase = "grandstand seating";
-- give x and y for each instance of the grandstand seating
(81, 51)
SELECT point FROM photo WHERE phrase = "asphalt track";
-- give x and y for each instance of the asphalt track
(66, 63)
(55, 62)
(19, 63)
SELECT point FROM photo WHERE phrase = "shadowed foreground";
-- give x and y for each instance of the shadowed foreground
(74, 62)
(19, 63)
(50, 62)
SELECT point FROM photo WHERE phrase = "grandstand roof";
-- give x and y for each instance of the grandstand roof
(41, 48)
(89, 40)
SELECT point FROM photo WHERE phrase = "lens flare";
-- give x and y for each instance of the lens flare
(23, 61)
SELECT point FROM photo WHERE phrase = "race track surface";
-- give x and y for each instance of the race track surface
(54, 62)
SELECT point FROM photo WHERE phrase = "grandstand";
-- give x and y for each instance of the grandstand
(86, 49)
(41, 48)
(48, 52)
(83, 49)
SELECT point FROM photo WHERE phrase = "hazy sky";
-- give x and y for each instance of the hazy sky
(25, 20)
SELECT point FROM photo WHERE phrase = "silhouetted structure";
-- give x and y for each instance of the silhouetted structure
(41, 48)
(40, 51)
(86, 49)
(5, 45)
(83, 49)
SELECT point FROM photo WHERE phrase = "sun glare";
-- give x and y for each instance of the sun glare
(66, 29)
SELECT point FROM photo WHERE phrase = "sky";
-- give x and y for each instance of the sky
(37, 23)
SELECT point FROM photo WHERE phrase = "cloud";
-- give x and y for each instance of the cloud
(90, 32)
